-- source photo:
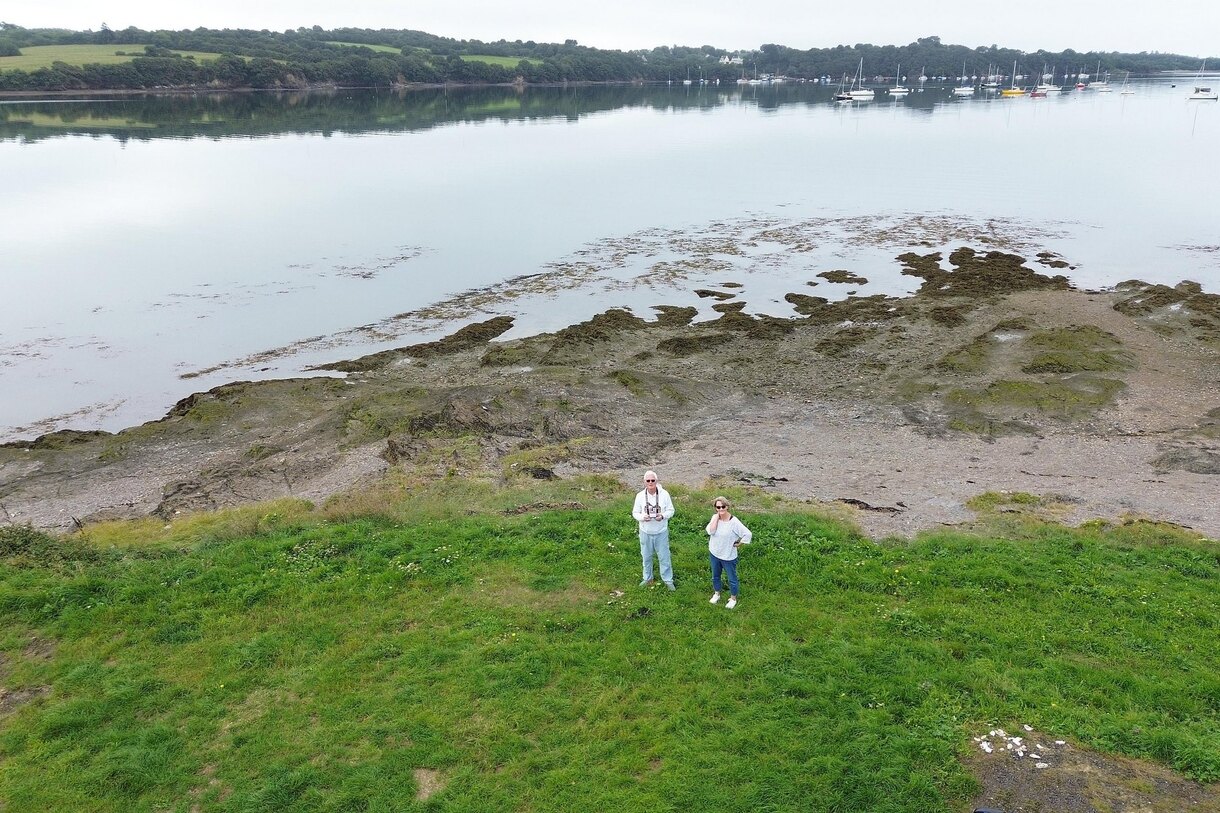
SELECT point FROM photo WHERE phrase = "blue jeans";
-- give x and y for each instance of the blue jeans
(729, 566)
(656, 544)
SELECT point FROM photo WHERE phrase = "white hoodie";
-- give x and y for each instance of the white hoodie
(653, 511)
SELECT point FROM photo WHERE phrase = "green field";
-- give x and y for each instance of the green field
(388, 49)
(492, 645)
(42, 56)
(502, 61)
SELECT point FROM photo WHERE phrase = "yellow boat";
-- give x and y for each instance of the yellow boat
(1014, 90)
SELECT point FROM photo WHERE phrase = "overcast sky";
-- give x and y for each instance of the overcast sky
(1189, 27)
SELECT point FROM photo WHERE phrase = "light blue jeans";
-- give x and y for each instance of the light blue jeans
(657, 544)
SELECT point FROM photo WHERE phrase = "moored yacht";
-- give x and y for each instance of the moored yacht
(898, 89)
(966, 88)
(1013, 90)
(1201, 93)
(857, 92)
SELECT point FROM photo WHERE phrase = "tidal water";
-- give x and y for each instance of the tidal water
(151, 247)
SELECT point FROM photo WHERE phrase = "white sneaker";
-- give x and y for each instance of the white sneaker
(715, 597)
(731, 603)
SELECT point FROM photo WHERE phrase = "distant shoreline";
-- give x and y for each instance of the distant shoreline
(195, 91)
(413, 86)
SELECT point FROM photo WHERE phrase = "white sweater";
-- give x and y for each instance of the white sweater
(722, 535)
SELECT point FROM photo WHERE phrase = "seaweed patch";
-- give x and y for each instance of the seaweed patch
(842, 276)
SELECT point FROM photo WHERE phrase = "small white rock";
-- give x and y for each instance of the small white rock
(1035, 756)
(1028, 727)
(986, 746)
(1042, 765)
(1060, 742)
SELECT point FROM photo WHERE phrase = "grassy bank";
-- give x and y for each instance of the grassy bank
(492, 647)
(44, 56)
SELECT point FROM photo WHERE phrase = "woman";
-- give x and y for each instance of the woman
(726, 534)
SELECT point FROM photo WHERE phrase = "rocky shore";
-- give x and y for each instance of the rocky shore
(996, 376)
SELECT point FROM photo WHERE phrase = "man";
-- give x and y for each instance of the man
(652, 510)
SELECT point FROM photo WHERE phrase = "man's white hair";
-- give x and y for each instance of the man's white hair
(652, 474)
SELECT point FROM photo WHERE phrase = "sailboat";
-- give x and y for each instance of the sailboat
(857, 92)
(841, 96)
(1014, 90)
(965, 88)
(1039, 91)
(1126, 91)
(1102, 85)
(1201, 93)
(898, 89)
(993, 79)
(686, 81)
(1047, 85)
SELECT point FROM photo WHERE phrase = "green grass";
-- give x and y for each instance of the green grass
(502, 61)
(278, 658)
(43, 56)
(387, 49)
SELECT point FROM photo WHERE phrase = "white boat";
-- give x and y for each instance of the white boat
(857, 92)
(898, 89)
(964, 89)
(1047, 85)
(1201, 93)
(1102, 85)
(1126, 91)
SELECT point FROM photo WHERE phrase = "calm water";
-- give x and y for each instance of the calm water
(155, 247)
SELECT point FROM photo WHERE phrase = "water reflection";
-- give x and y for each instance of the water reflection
(156, 237)
(257, 114)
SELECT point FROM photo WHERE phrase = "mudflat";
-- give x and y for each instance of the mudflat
(996, 385)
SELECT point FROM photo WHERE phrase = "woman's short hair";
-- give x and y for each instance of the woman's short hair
(722, 501)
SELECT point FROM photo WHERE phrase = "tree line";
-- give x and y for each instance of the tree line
(312, 57)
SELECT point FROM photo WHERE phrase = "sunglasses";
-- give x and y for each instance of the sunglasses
(650, 481)
(720, 507)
